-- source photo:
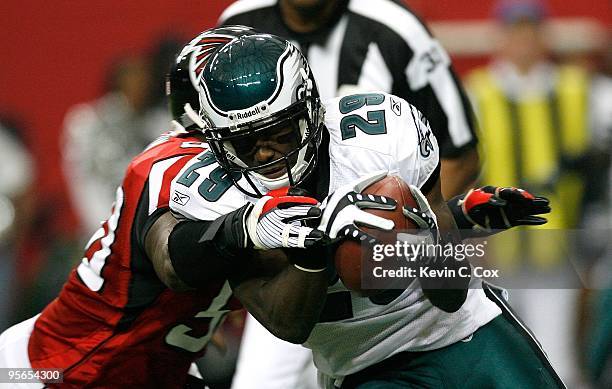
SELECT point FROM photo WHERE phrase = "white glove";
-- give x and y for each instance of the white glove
(278, 220)
(343, 209)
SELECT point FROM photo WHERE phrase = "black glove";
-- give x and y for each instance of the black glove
(344, 209)
(498, 208)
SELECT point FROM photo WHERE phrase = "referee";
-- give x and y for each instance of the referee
(354, 46)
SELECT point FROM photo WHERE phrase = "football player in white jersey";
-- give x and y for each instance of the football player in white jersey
(258, 108)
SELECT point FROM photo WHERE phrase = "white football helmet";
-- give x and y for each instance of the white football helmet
(258, 87)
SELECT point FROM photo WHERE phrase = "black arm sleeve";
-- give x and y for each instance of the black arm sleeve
(201, 251)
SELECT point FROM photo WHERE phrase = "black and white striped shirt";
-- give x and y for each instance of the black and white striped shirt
(376, 45)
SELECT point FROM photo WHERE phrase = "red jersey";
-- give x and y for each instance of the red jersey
(115, 324)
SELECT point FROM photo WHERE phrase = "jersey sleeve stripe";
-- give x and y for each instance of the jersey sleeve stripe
(90, 270)
(156, 178)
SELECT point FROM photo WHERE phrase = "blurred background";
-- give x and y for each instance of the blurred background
(82, 92)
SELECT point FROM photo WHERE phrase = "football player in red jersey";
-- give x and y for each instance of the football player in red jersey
(123, 319)
(155, 279)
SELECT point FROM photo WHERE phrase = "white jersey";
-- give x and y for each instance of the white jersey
(367, 132)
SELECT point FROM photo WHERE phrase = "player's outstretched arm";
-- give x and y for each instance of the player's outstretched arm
(285, 299)
(447, 291)
(285, 290)
(191, 253)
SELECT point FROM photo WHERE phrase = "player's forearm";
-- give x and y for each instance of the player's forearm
(448, 290)
(289, 304)
(189, 254)
(459, 174)
(156, 247)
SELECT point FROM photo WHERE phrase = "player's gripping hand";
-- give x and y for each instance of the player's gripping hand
(423, 217)
(498, 208)
(343, 210)
(278, 220)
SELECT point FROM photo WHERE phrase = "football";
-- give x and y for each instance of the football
(349, 255)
